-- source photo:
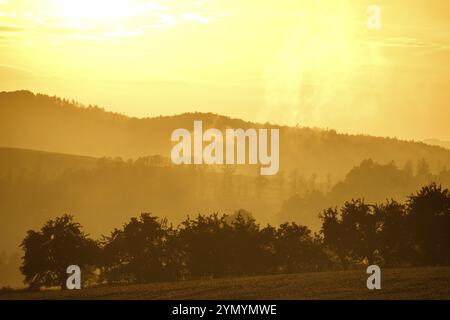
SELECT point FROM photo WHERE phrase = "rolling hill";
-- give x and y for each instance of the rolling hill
(40, 122)
(51, 164)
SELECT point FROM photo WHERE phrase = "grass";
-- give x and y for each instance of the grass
(408, 283)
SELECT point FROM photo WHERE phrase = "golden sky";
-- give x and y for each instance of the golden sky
(312, 63)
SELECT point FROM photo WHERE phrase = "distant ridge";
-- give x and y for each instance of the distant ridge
(14, 160)
(40, 122)
(437, 142)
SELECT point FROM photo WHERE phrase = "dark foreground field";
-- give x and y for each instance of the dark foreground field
(411, 283)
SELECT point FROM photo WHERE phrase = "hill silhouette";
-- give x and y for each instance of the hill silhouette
(40, 122)
(437, 142)
(51, 164)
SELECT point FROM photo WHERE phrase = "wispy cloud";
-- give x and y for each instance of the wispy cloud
(113, 21)
(15, 28)
(415, 45)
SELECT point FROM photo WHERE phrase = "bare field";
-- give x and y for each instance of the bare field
(408, 283)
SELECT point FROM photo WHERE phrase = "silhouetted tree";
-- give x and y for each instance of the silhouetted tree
(48, 252)
(359, 227)
(205, 242)
(296, 249)
(268, 255)
(148, 249)
(429, 220)
(140, 252)
(393, 233)
(333, 234)
(244, 247)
